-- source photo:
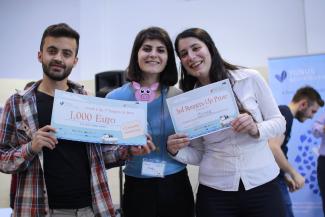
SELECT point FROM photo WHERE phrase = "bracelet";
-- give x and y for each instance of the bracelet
(172, 153)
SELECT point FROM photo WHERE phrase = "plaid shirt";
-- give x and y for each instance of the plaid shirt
(18, 123)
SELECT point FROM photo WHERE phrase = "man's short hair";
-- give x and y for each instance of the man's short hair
(309, 93)
(60, 30)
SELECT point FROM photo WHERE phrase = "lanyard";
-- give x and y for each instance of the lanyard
(160, 137)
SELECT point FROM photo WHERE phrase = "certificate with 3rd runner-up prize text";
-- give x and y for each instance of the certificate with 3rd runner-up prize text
(83, 118)
(204, 110)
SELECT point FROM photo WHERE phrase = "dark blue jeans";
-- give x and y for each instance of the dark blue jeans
(286, 197)
(262, 201)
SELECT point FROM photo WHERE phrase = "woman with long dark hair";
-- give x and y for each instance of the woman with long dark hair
(237, 168)
(156, 185)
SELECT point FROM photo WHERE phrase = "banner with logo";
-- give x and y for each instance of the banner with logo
(286, 75)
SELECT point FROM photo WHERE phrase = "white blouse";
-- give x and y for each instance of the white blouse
(225, 157)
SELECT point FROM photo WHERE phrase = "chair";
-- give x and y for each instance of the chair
(108, 81)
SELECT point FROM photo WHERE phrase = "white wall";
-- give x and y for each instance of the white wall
(247, 32)
(315, 25)
(22, 24)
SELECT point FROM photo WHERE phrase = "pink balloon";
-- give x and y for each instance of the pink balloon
(145, 93)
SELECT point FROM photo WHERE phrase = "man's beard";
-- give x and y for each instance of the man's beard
(56, 76)
(300, 116)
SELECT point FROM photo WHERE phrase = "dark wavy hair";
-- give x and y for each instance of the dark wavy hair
(168, 76)
(219, 67)
(60, 30)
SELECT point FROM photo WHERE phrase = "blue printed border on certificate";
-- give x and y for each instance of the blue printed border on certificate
(203, 110)
(98, 120)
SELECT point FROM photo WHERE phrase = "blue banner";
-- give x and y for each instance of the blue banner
(286, 75)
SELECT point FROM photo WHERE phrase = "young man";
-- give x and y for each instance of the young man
(304, 104)
(54, 177)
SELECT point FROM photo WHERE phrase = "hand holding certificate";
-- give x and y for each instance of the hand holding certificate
(91, 119)
(203, 110)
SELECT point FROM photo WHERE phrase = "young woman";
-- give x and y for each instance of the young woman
(237, 168)
(155, 184)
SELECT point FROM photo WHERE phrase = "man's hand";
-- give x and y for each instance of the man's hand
(289, 182)
(294, 181)
(299, 180)
(44, 137)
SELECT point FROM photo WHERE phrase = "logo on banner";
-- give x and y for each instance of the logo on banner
(282, 76)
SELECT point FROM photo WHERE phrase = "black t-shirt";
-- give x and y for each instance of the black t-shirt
(66, 168)
(285, 111)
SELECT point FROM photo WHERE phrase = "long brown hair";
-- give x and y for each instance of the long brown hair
(219, 67)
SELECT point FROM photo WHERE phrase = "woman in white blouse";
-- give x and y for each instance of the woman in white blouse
(237, 168)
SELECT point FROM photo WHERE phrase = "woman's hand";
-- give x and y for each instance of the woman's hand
(245, 123)
(176, 142)
(142, 150)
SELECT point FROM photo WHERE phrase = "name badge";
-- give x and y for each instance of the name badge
(153, 168)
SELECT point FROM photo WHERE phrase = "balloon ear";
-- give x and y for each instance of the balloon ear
(154, 86)
(135, 85)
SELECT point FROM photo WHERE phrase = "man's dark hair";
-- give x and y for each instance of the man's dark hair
(310, 94)
(60, 30)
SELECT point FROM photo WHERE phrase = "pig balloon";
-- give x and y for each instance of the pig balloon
(145, 93)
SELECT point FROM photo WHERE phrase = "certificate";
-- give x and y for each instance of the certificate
(98, 120)
(203, 110)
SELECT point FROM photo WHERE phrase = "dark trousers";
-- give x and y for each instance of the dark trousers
(262, 201)
(171, 196)
(321, 178)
